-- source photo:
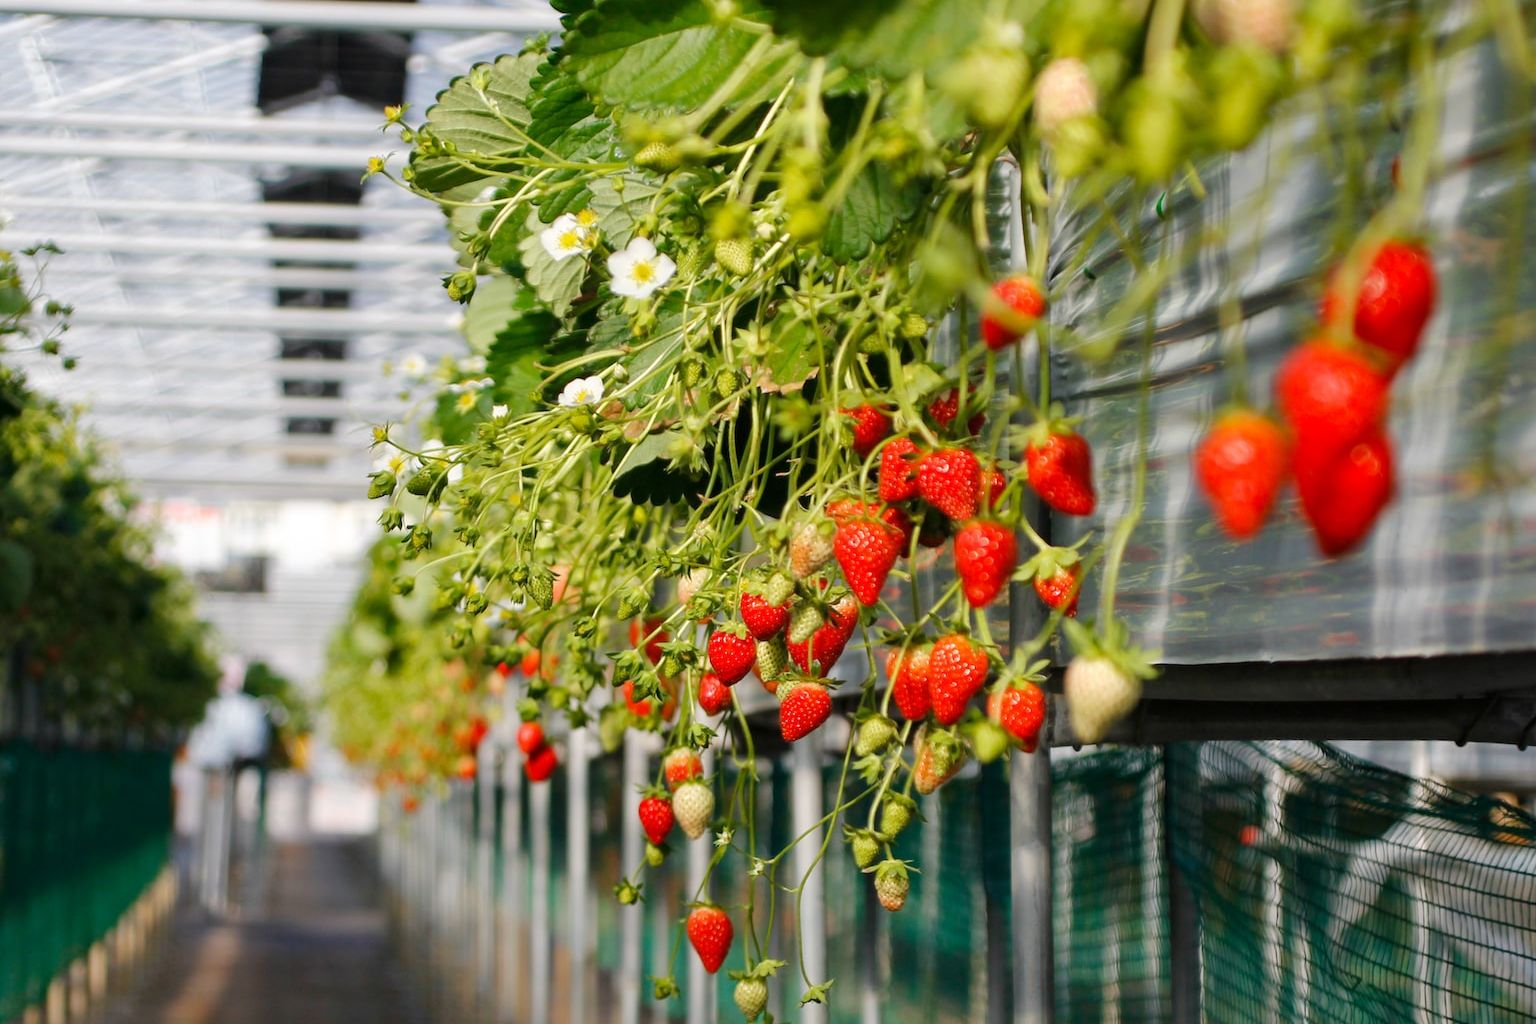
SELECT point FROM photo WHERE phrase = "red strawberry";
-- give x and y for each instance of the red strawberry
(950, 480)
(503, 669)
(541, 764)
(866, 549)
(714, 696)
(1019, 303)
(1020, 710)
(1331, 397)
(957, 669)
(679, 765)
(946, 407)
(908, 674)
(1059, 590)
(710, 933)
(1395, 301)
(827, 643)
(466, 767)
(1240, 465)
(656, 818)
(731, 653)
(529, 664)
(985, 555)
(993, 484)
(763, 620)
(650, 631)
(898, 470)
(802, 710)
(1341, 499)
(1060, 468)
(530, 736)
(871, 425)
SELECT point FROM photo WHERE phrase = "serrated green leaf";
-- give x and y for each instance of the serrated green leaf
(565, 122)
(517, 359)
(556, 282)
(618, 211)
(669, 54)
(497, 301)
(792, 359)
(892, 37)
(875, 204)
(487, 125)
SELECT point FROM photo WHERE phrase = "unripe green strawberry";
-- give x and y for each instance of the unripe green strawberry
(895, 814)
(751, 997)
(735, 255)
(913, 326)
(940, 755)
(778, 588)
(691, 261)
(654, 855)
(772, 656)
(725, 382)
(693, 805)
(892, 884)
(864, 845)
(987, 81)
(1154, 133)
(658, 156)
(692, 370)
(806, 222)
(804, 621)
(874, 734)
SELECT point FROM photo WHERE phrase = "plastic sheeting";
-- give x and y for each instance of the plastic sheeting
(1451, 565)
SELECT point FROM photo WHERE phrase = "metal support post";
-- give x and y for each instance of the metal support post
(1033, 960)
(632, 918)
(485, 880)
(1183, 916)
(578, 840)
(806, 811)
(539, 937)
(511, 990)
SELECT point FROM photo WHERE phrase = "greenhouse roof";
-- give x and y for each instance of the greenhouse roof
(236, 295)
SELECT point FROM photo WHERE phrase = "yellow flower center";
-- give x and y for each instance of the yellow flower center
(644, 272)
(587, 218)
(466, 401)
(570, 240)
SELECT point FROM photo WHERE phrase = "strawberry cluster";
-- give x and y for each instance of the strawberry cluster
(1332, 395)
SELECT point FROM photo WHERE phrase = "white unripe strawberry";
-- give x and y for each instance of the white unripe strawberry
(1099, 693)
(1064, 91)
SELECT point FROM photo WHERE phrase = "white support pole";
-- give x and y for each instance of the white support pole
(315, 214)
(701, 986)
(1033, 967)
(168, 149)
(805, 811)
(321, 14)
(578, 840)
(255, 247)
(247, 121)
(485, 878)
(281, 320)
(632, 843)
(420, 281)
(511, 991)
(213, 406)
(539, 936)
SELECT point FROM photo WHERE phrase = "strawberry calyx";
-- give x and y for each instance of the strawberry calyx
(1112, 642)
(1054, 422)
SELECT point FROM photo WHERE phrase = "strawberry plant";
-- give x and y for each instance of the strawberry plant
(743, 346)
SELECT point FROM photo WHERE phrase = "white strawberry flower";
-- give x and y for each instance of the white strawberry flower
(413, 365)
(638, 269)
(568, 236)
(498, 411)
(392, 460)
(582, 391)
(472, 364)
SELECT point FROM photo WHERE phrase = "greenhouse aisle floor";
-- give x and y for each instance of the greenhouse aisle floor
(309, 946)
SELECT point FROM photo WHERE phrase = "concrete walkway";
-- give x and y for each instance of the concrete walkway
(313, 949)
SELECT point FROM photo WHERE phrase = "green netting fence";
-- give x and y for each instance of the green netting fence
(1327, 889)
(82, 833)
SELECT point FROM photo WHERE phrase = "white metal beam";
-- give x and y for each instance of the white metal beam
(210, 57)
(328, 158)
(221, 407)
(318, 250)
(324, 14)
(277, 319)
(423, 282)
(296, 485)
(308, 214)
(247, 121)
(358, 369)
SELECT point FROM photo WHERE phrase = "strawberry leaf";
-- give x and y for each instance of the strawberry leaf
(479, 116)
